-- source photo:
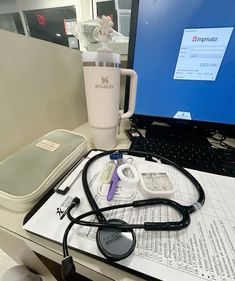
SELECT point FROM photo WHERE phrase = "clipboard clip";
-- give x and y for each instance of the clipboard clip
(68, 203)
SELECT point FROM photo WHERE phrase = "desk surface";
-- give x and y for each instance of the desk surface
(11, 222)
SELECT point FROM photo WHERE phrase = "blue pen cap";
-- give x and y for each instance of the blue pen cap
(116, 155)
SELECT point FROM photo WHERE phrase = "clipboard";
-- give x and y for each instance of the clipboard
(158, 255)
(51, 192)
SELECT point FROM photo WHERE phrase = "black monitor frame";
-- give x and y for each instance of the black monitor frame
(144, 121)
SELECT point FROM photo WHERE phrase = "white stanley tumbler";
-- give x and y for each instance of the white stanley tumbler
(102, 84)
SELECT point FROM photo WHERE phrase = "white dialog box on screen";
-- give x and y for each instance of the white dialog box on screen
(201, 53)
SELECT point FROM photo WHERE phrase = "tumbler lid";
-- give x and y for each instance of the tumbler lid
(101, 56)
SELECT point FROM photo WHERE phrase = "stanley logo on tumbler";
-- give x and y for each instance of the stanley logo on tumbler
(105, 83)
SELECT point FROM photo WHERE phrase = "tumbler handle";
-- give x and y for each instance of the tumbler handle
(132, 95)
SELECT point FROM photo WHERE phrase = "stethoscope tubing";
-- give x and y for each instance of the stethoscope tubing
(192, 208)
(167, 226)
(148, 226)
(139, 203)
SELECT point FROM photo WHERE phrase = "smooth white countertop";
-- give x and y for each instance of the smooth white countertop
(11, 222)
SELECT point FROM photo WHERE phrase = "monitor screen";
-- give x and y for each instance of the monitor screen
(184, 55)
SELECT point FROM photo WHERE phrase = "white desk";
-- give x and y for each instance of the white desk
(12, 222)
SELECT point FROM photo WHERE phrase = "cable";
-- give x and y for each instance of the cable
(220, 139)
(139, 203)
(116, 227)
(147, 156)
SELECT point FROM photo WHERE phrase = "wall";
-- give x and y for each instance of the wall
(41, 89)
(86, 10)
(8, 6)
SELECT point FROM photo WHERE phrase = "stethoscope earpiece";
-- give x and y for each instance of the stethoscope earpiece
(115, 243)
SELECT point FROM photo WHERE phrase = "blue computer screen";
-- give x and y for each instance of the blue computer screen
(185, 59)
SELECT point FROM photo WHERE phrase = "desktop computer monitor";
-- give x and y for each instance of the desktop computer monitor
(184, 55)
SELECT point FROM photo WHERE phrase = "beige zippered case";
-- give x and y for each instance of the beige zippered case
(28, 174)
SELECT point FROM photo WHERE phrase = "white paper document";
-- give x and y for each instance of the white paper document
(203, 251)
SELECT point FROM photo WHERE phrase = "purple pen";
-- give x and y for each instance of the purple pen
(113, 184)
(116, 156)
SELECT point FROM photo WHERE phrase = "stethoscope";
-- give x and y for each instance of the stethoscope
(115, 238)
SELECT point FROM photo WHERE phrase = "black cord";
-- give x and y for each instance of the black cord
(220, 140)
(149, 156)
(139, 203)
(68, 267)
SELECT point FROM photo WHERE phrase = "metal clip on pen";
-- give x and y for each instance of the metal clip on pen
(116, 156)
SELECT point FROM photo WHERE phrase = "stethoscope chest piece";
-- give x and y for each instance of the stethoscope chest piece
(115, 243)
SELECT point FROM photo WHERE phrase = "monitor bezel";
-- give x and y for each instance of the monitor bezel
(143, 121)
